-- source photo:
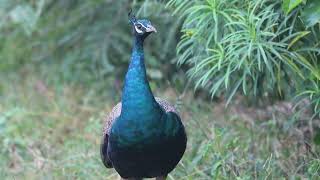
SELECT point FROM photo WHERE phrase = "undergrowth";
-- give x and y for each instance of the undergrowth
(50, 129)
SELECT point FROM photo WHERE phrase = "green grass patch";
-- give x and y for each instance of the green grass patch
(51, 129)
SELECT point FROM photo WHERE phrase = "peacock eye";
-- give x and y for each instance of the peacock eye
(139, 26)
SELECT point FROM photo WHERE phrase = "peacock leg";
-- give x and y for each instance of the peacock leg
(161, 178)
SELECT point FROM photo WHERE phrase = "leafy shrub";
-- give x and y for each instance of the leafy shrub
(311, 91)
(83, 37)
(251, 47)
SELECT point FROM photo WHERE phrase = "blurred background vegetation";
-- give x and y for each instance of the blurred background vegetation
(245, 75)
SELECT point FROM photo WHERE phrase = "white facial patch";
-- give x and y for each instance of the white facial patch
(139, 30)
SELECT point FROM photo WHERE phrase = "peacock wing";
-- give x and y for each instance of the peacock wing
(166, 105)
(113, 115)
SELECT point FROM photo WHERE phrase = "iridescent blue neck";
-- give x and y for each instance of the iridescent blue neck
(137, 98)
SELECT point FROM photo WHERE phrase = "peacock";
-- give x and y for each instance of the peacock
(143, 136)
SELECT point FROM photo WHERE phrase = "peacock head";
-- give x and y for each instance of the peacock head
(141, 27)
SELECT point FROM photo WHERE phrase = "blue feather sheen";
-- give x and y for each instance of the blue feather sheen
(142, 120)
(145, 140)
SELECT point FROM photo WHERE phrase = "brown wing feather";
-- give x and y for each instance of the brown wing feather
(115, 112)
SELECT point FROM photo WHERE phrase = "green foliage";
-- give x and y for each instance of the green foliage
(46, 133)
(311, 13)
(289, 5)
(51, 128)
(83, 36)
(312, 92)
(244, 46)
(314, 169)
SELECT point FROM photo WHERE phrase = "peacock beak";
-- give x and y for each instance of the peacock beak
(151, 29)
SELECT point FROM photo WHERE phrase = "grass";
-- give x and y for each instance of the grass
(51, 129)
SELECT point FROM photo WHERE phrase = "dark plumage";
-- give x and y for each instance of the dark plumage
(143, 136)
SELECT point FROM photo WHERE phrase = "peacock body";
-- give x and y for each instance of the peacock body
(143, 135)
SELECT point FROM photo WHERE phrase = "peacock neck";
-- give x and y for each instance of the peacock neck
(137, 98)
